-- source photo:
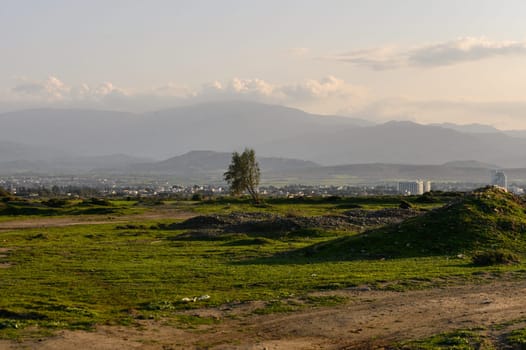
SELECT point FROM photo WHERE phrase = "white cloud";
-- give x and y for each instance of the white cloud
(432, 55)
(307, 90)
(328, 87)
(329, 95)
(380, 58)
(53, 90)
(50, 89)
(326, 95)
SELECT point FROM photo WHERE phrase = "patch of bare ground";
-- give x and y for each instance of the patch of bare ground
(90, 219)
(366, 320)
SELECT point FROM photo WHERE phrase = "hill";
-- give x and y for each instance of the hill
(220, 126)
(401, 142)
(210, 165)
(485, 219)
(273, 131)
(469, 128)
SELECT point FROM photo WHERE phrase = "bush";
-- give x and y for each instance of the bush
(405, 205)
(97, 201)
(55, 203)
(197, 197)
(4, 192)
(495, 257)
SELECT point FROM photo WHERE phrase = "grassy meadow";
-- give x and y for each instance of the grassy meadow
(130, 265)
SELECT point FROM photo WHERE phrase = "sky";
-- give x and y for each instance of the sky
(421, 60)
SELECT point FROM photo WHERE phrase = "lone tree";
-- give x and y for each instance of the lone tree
(243, 174)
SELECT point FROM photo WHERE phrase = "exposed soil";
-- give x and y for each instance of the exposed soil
(353, 220)
(42, 222)
(368, 320)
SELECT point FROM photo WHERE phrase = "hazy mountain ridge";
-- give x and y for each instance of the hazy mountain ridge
(200, 162)
(404, 143)
(468, 128)
(381, 172)
(273, 131)
(221, 126)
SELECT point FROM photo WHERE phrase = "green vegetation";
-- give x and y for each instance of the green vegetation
(487, 220)
(12, 206)
(243, 174)
(494, 257)
(458, 340)
(517, 339)
(77, 276)
(496, 337)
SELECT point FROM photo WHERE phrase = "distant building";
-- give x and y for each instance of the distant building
(411, 187)
(417, 187)
(498, 178)
(427, 186)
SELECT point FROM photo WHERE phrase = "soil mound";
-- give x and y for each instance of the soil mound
(277, 226)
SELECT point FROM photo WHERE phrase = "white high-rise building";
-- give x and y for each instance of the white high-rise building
(498, 178)
(427, 186)
(417, 187)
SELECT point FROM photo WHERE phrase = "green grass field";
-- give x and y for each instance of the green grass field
(78, 276)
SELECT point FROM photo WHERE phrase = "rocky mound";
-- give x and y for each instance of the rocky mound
(385, 216)
(242, 222)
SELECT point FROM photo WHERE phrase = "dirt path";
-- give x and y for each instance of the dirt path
(43, 222)
(369, 320)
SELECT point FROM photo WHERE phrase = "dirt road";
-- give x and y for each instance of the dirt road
(369, 320)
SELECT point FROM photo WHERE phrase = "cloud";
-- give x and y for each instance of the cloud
(464, 49)
(50, 89)
(308, 90)
(376, 58)
(326, 95)
(53, 90)
(328, 87)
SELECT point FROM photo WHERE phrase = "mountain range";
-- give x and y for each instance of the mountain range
(286, 140)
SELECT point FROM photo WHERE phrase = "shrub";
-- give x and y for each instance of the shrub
(97, 201)
(405, 205)
(495, 257)
(55, 203)
(197, 197)
(4, 193)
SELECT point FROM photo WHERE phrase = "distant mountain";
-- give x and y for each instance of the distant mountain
(196, 164)
(273, 131)
(75, 131)
(60, 163)
(480, 129)
(470, 164)
(382, 172)
(13, 151)
(468, 128)
(516, 133)
(221, 126)
(400, 142)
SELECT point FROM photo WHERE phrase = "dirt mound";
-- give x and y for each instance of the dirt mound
(385, 216)
(250, 222)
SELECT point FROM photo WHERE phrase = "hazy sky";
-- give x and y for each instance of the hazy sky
(460, 61)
